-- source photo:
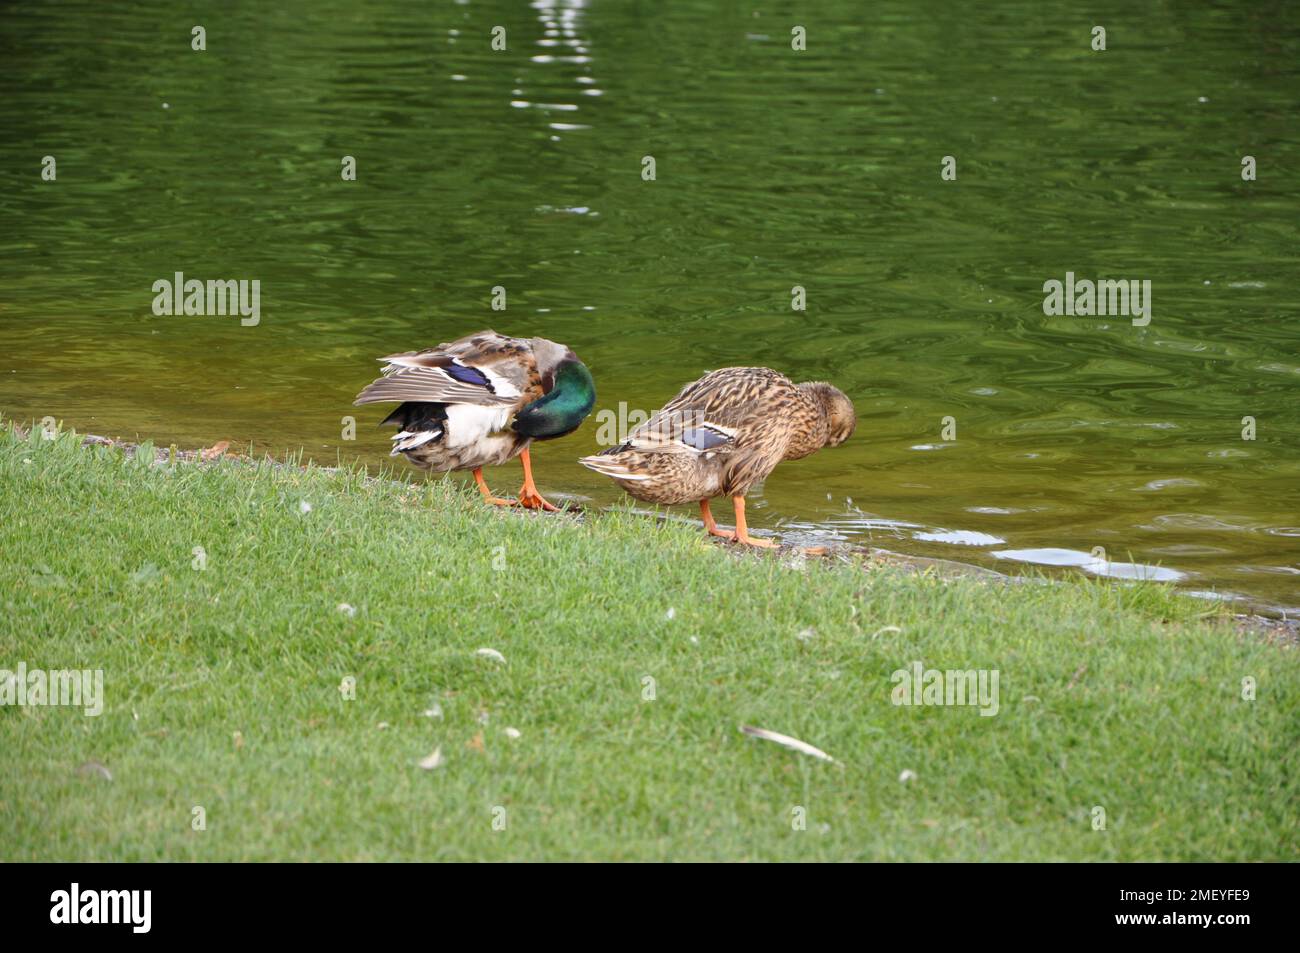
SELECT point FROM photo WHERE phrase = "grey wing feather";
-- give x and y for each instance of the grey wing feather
(481, 368)
(427, 384)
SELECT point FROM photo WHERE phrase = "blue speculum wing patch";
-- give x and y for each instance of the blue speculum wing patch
(703, 438)
(468, 375)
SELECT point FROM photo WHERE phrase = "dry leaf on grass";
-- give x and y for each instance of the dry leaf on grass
(214, 451)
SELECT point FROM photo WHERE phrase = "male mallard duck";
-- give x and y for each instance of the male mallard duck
(481, 401)
(721, 435)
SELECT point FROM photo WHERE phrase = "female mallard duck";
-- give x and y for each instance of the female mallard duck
(481, 401)
(721, 435)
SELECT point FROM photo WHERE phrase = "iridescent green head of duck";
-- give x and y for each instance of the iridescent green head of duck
(563, 409)
(841, 418)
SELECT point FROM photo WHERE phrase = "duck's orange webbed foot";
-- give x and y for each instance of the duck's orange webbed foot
(487, 494)
(742, 531)
(529, 498)
(710, 526)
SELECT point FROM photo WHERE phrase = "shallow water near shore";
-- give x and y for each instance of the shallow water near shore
(1082, 442)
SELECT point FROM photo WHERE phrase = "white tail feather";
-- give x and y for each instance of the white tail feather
(409, 440)
(785, 740)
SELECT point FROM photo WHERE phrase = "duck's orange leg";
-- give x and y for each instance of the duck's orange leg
(528, 495)
(742, 531)
(710, 526)
(487, 494)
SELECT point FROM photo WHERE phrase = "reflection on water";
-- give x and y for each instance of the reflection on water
(959, 537)
(561, 44)
(1092, 564)
(522, 169)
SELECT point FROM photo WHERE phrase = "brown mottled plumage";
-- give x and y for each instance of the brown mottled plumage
(724, 433)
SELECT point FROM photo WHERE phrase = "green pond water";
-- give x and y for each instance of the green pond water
(774, 168)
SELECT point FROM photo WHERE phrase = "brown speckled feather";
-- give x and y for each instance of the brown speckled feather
(724, 433)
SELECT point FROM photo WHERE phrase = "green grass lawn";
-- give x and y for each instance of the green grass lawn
(222, 687)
